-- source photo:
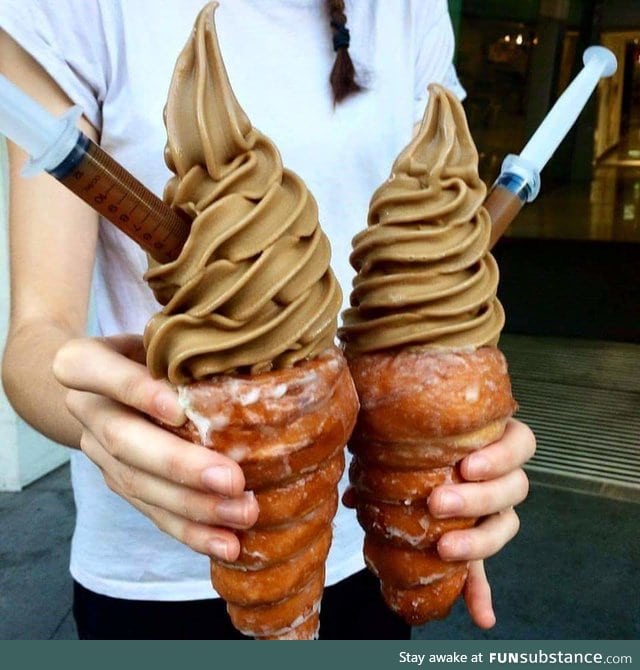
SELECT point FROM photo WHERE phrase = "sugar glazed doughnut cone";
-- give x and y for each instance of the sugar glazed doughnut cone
(287, 429)
(421, 340)
(421, 414)
(246, 333)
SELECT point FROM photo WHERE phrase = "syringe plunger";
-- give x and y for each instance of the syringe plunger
(31, 126)
(519, 180)
(57, 146)
(598, 62)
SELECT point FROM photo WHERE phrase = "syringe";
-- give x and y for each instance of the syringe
(57, 146)
(519, 180)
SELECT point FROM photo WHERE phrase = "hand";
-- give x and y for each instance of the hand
(190, 492)
(495, 483)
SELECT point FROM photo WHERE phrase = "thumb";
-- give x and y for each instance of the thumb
(477, 595)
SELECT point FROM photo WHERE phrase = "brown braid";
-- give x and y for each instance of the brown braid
(342, 75)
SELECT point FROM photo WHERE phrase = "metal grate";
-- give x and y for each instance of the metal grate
(582, 399)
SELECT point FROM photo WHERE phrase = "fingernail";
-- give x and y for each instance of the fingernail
(449, 502)
(235, 510)
(477, 466)
(169, 409)
(219, 548)
(218, 478)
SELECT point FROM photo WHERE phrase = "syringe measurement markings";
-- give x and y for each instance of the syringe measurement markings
(165, 225)
(92, 183)
(153, 232)
(156, 206)
(126, 185)
(101, 197)
(161, 243)
(118, 196)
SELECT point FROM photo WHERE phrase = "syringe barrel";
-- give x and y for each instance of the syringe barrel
(56, 145)
(504, 202)
(119, 197)
(516, 185)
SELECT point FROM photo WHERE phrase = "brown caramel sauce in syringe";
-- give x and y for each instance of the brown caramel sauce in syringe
(119, 197)
(505, 200)
(503, 207)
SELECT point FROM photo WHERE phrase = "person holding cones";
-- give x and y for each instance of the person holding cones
(152, 507)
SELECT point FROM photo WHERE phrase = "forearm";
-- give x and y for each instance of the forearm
(52, 239)
(29, 383)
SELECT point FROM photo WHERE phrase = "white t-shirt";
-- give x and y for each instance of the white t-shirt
(115, 59)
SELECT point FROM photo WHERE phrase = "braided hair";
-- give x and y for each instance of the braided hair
(342, 77)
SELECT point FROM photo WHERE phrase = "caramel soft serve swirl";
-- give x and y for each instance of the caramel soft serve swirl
(252, 289)
(425, 278)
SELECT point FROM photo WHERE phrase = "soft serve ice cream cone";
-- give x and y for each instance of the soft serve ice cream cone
(246, 333)
(421, 340)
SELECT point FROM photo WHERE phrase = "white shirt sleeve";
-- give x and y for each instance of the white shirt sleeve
(67, 40)
(434, 40)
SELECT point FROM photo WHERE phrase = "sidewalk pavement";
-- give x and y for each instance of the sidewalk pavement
(573, 572)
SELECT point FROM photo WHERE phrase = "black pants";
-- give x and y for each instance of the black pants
(353, 609)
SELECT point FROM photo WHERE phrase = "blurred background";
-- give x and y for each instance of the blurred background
(570, 262)
(570, 284)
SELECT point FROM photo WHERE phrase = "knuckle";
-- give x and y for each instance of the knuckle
(509, 526)
(161, 518)
(207, 514)
(189, 507)
(189, 533)
(492, 537)
(85, 442)
(72, 402)
(529, 439)
(477, 545)
(110, 482)
(64, 361)
(174, 468)
(129, 481)
(133, 390)
(515, 520)
(522, 482)
(485, 499)
(113, 430)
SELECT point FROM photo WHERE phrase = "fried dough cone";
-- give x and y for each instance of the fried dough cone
(421, 414)
(287, 429)
(421, 337)
(246, 332)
